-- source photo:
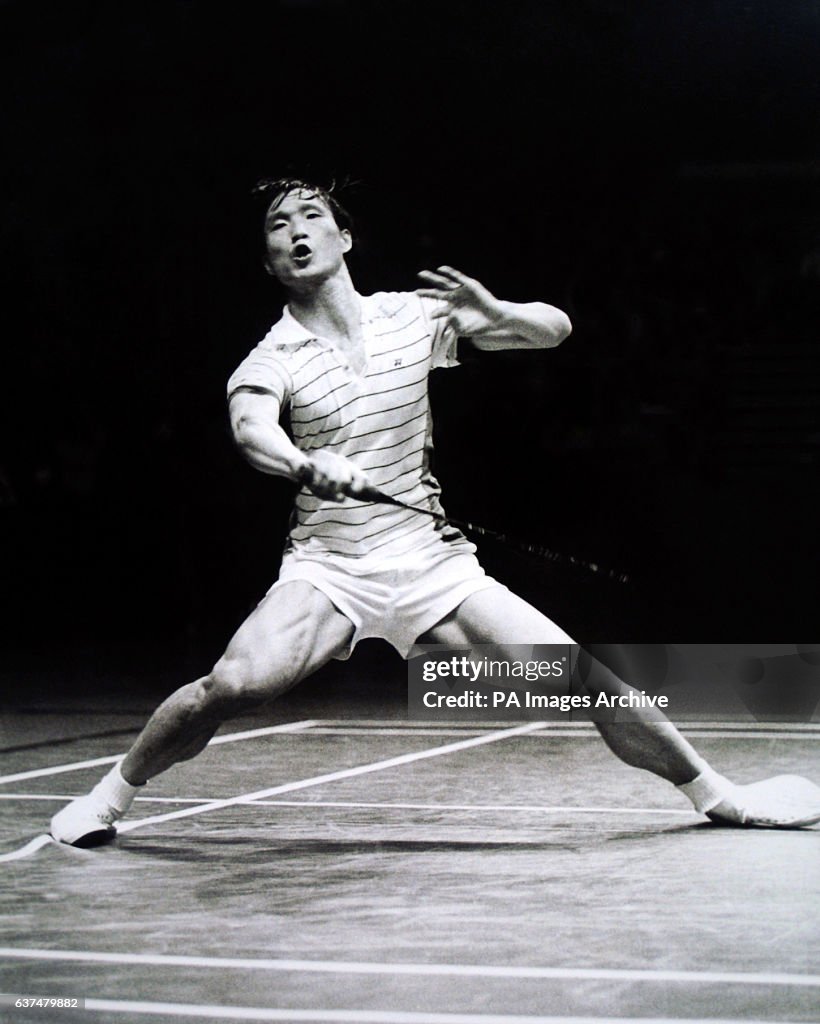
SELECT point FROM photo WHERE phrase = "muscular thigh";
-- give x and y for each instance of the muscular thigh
(496, 616)
(291, 633)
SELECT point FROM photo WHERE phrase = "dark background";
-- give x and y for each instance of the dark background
(650, 167)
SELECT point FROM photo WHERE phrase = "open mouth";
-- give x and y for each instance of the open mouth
(301, 253)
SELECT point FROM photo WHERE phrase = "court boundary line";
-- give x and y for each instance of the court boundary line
(782, 978)
(750, 725)
(344, 773)
(28, 849)
(233, 737)
(563, 731)
(258, 1013)
(715, 730)
(289, 787)
(376, 805)
(535, 808)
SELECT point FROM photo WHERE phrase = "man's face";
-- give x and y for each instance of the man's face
(305, 244)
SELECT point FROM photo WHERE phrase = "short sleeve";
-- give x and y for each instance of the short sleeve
(263, 371)
(444, 340)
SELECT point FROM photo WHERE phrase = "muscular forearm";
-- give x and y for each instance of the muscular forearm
(263, 442)
(268, 448)
(525, 325)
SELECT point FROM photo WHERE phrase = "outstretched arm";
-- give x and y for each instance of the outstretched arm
(263, 442)
(474, 312)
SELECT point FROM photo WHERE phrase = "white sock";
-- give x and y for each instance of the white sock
(707, 790)
(116, 792)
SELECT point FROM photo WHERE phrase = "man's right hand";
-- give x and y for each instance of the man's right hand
(334, 478)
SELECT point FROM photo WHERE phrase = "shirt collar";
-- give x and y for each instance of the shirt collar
(288, 330)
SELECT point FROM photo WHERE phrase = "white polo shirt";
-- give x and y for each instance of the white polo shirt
(380, 420)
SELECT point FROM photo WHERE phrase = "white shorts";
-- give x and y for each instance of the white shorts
(397, 598)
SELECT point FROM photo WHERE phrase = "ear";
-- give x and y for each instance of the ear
(347, 240)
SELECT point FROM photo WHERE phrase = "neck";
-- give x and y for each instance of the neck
(329, 309)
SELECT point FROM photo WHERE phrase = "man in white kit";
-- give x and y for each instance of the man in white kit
(351, 372)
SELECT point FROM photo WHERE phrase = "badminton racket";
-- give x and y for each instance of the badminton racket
(373, 494)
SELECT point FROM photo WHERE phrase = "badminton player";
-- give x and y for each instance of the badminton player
(350, 373)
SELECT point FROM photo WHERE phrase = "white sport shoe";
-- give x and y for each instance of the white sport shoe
(785, 801)
(86, 821)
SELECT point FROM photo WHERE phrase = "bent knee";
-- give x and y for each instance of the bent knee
(236, 683)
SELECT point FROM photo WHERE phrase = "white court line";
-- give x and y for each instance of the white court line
(317, 729)
(717, 730)
(26, 851)
(751, 725)
(268, 730)
(421, 730)
(112, 759)
(535, 808)
(420, 969)
(346, 773)
(258, 1013)
(353, 804)
(564, 731)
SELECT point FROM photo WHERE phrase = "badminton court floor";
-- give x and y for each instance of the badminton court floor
(388, 872)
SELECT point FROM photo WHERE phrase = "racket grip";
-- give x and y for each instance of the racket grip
(371, 493)
(367, 493)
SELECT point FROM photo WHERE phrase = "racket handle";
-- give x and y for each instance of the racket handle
(371, 493)
(367, 493)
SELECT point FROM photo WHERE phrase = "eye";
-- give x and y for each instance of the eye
(276, 225)
(313, 214)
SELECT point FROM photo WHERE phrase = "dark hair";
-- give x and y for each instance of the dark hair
(275, 190)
